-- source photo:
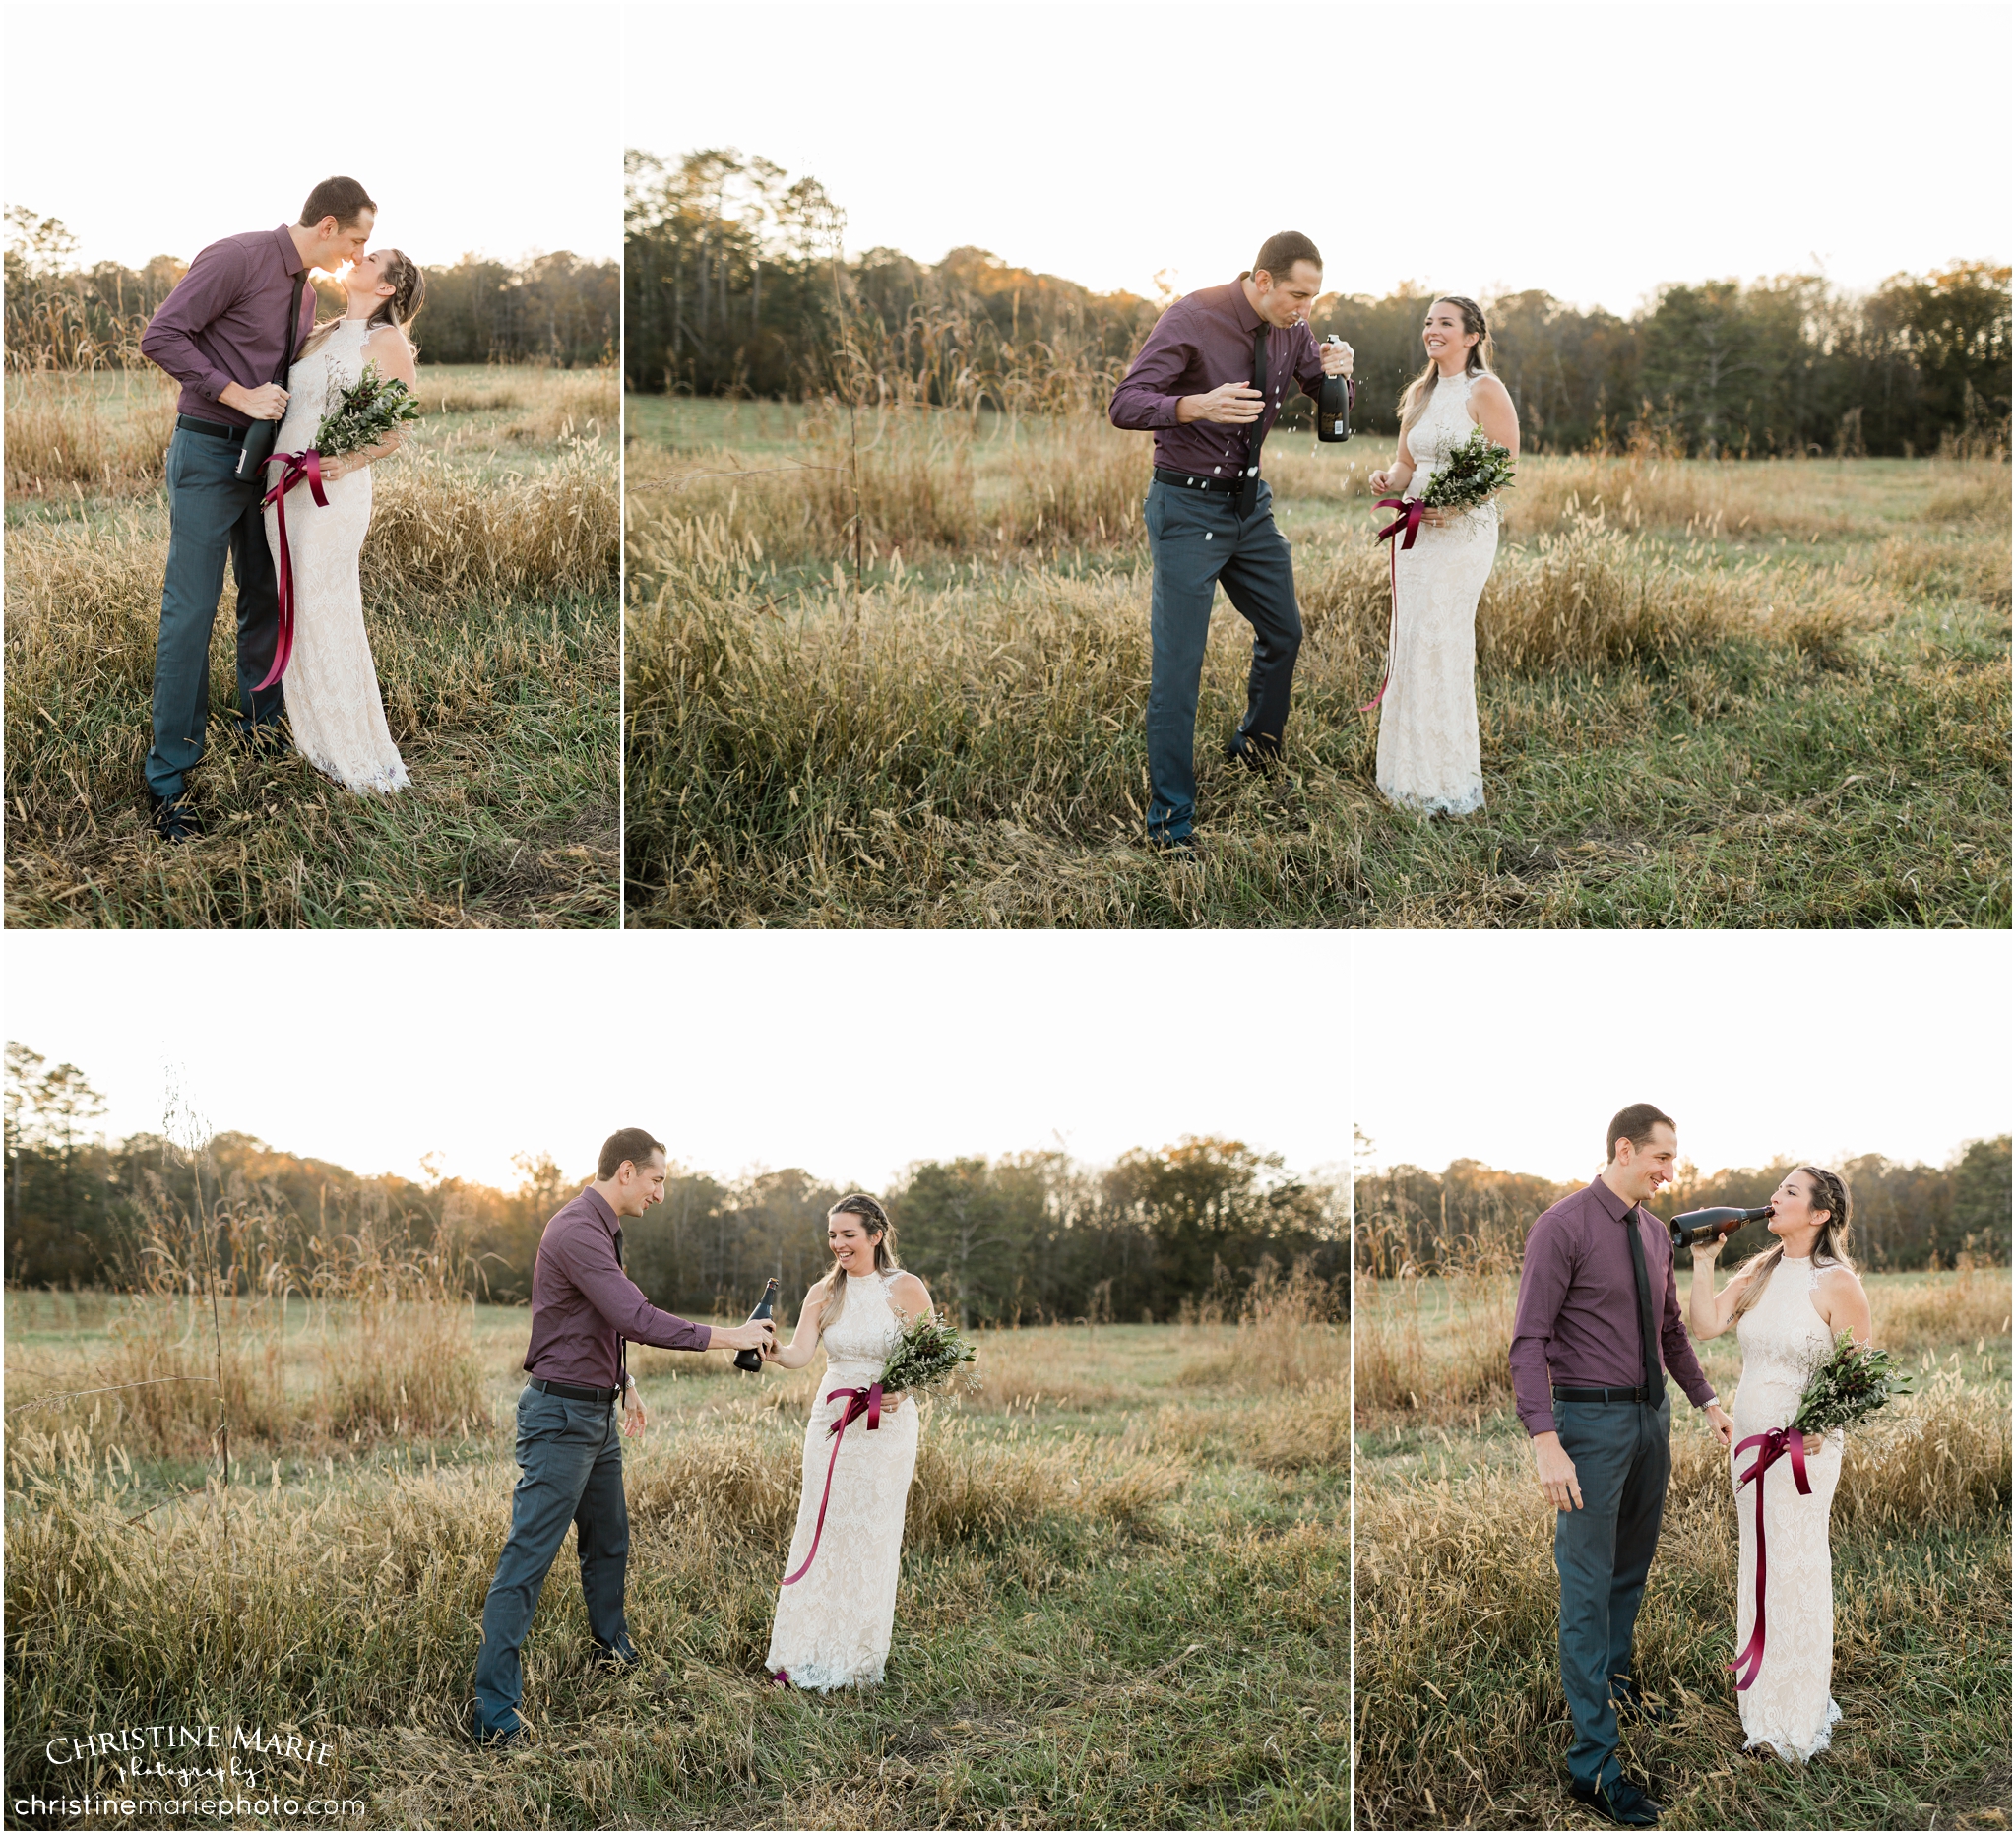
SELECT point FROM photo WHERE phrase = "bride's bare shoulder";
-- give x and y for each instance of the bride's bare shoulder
(389, 345)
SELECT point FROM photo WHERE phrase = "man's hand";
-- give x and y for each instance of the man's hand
(1337, 359)
(633, 1411)
(1235, 404)
(1556, 1473)
(1719, 1421)
(757, 1334)
(268, 402)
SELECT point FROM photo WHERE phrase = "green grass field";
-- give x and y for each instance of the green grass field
(1729, 695)
(1461, 1720)
(1122, 1603)
(491, 596)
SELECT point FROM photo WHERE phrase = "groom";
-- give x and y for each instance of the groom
(1598, 1327)
(570, 1458)
(228, 331)
(1209, 383)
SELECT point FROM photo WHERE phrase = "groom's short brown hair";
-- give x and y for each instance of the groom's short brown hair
(1280, 251)
(1637, 1121)
(635, 1145)
(342, 197)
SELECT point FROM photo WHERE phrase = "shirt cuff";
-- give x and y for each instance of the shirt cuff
(1537, 1424)
(214, 384)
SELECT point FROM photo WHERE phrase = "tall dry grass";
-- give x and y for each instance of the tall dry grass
(1460, 1720)
(87, 432)
(1290, 1332)
(968, 749)
(489, 575)
(916, 483)
(227, 1341)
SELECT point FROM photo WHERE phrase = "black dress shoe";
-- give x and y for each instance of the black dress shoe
(1622, 1803)
(1175, 847)
(1254, 754)
(504, 1739)
(173, 818)
(1631, 1705)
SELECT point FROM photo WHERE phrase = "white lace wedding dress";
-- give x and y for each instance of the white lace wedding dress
(833, 1626)
(330, 682)
(1429, 758)
(1790, 1706)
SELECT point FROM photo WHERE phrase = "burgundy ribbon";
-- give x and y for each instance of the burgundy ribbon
(298, 466)
(1774, 1447)
(860, 1402)
(1412, 510)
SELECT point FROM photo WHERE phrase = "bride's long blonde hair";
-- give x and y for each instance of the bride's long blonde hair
(1477, 360)
(409, 294)
(831, 1293)
(1830, 1246)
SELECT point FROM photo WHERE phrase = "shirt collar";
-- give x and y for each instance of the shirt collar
(1614, 1206)
(291, 256)
(1249, 321)
(604, 1211)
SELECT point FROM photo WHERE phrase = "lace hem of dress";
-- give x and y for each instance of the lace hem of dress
(1467, 804)
(384, 781)
(1790, 1749)
(823, 1679)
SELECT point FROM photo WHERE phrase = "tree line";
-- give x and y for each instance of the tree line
(552, 308)
(735, 283)
(1903, 1215)
(1019, 1239)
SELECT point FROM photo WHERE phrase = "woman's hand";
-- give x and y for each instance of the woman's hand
(1382, 482)
(1707, 1251)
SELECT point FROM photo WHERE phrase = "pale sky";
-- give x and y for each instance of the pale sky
(152, 130)
(1516, 1049)
(850, 1055)
(1591, 151)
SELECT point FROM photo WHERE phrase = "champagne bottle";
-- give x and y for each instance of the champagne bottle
(765, 1308)
(1718, 1220)
(1333, 405)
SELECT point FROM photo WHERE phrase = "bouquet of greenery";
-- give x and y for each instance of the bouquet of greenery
(370, 408)
(1474, 471)
(931, 1356)
(1847, 1386)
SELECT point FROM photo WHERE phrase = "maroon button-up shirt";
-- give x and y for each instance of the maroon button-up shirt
(1201, 343)
(584, 1306)
(225, 321)
(1577, 1321)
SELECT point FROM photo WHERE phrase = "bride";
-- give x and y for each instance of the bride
(1429, 757)
(836, 1605)
(1787, 1305)
(331, 682)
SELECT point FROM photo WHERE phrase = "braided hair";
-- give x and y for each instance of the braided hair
(1830, 1194)
(399, 271)
(1476, 362)
(875, 1222)
(408, 285)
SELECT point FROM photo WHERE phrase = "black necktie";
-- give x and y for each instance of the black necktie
(623, 1349)
(1648, 1331)
(1249, 486)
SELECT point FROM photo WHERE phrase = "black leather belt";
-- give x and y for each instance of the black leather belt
(1189, 480)
(217, 429)
(573, 1391)
(1601, 1395)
